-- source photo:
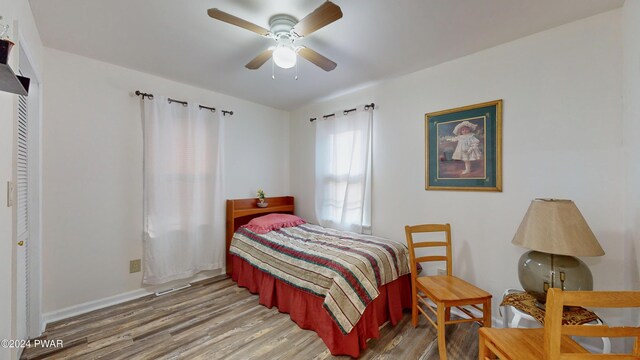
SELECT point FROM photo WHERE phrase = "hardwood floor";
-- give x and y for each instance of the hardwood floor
(215, 319)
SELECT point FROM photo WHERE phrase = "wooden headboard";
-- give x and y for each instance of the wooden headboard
(240, 211)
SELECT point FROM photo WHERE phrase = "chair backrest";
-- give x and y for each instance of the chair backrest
(428, 228)
(553, 328)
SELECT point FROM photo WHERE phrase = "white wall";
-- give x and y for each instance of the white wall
(562, 133)
(631, 126)
(92, 170)
(18, 15)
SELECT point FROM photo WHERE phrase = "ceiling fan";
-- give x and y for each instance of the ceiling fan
(285, 30)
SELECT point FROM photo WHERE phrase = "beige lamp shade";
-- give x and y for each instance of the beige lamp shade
(556, 227)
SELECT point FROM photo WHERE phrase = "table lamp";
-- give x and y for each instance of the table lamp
(555, 231)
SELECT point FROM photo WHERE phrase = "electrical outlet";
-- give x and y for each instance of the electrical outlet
(10, 193)
(134, 266)
(442, 271)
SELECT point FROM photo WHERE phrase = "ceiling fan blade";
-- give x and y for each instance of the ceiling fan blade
(234, 20)
(317, 59)
(319, 18)
(259, 60)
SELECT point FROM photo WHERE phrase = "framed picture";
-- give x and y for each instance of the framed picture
(463, 148)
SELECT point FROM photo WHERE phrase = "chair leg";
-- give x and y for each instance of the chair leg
(447, 314)
(486, 313)
(414, 306)
(414, 312)
(442, 346)
(483, 352)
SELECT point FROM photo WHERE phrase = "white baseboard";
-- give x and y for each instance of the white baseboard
(88, 306)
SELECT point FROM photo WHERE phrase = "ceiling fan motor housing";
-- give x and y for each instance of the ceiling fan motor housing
(282, 24)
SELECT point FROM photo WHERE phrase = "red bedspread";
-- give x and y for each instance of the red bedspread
(306, 309)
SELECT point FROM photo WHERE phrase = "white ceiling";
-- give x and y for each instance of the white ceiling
(375, 39)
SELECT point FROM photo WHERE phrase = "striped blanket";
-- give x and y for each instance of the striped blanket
(346, 269)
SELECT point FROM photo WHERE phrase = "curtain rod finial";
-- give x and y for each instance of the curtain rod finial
(140, 93)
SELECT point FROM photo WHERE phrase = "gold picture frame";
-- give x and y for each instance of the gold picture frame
(463, 148)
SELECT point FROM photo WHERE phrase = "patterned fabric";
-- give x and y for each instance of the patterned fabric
(526, 303)
(344, 268)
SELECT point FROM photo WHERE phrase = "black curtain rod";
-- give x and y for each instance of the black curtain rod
(345, 112)
(139, 93)
(208, 108)
(184, 103)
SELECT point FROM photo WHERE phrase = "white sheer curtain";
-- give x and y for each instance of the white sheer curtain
(183, 191)
(343, 171)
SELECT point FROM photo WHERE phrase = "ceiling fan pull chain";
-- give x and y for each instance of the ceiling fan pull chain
(273, 70)
(296, 71)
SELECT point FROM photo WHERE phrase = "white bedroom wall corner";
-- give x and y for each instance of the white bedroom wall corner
(302, 166)
(286, 151)
(256, 151)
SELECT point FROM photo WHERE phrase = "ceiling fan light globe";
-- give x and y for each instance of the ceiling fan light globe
(284, 57)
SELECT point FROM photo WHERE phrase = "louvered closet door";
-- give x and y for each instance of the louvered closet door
(22, 219)
(22, 170)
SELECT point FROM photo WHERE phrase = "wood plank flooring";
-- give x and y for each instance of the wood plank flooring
(216, 319)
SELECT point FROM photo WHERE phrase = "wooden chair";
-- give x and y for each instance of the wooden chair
(553, 342)
(445, 291)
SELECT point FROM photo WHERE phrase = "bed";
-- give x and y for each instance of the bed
(341, 285)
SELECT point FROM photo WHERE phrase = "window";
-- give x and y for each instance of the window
(343, 171)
